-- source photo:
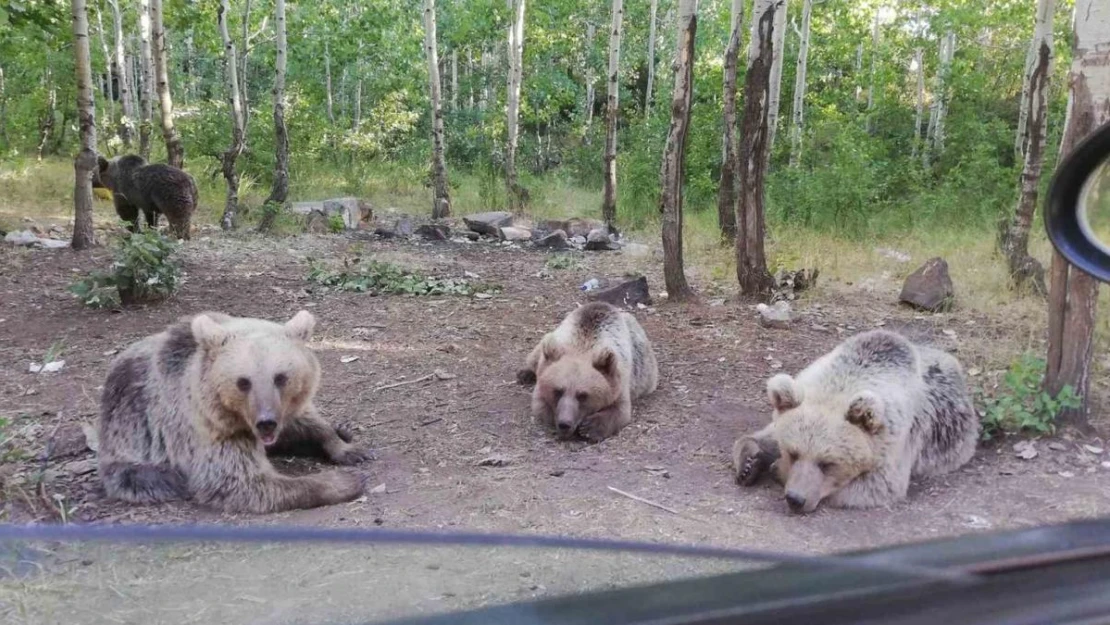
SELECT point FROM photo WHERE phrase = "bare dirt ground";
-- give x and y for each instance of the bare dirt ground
(429, 438)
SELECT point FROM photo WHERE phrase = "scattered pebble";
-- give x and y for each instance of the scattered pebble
(348, 359)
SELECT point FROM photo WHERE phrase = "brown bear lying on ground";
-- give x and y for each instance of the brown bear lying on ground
(191, 412)
(152, 189)
(860, 421)
(589, 370)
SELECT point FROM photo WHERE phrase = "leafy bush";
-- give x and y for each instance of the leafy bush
(336, 224)
(563, 261)
(8, 451)
(382, 278)
(1021, 405)
(145, 270)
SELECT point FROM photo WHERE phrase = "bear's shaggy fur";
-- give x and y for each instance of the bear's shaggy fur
(152, 189)
(589, 370)
(190, 412)
(860, 421)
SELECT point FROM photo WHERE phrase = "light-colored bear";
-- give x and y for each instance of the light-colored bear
(860, 421)
(589, 370)
(190, 413)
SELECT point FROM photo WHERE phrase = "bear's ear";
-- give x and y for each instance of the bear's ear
(551, 351)
(102, 163)
(300, 326)
(865, 411)
(606, 363)
(783, 393)
(209, 334)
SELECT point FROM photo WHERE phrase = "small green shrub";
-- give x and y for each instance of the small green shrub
(336, 223)
(381, 278)
(8, 451)
(562, 261)
(145, 270)
(1020, 405)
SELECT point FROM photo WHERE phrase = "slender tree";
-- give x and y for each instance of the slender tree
(934, 138)
(85, 163)
(649, 92)
(775, 96)
(875, 39)
(797, 116)
(46, 126)
(516, 192)
(146, 94)
(441, 200)
(235, 108)
(609, 195)
(726, 190)
(751, 260)
(123, 69)
(591, 32)
(175, 152)
(109, 70)
(279, 190)
(674, 156)
(327, 82)
(1073, 297)
(919, 109)
(1015, 236)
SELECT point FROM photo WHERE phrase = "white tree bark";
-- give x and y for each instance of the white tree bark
(935, 136)
(875, 40)
(919, 109)
(775, 105)
(1073, 299)
(454, 80)
(228, 158)
(327, 82)
(726, 189)
(175, 153)
(441, 200)
(123, 69)
(469, 78)
(649, 93)
(1042, 20)
(357, 104)
(85, 162)
(674, 156)
(797, 126)
(279, 190)
(609, 195)
(516, 76)
(146, 94)
(591, 95)
(110, 86)
(484, 64)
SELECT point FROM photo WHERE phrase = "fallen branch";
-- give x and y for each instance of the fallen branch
(650, 503)
(436, 375)
(430, 421)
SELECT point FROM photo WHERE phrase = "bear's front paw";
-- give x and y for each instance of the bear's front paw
(595, 428)
(344, 433)
(349, 454)
(749, 461)
(526, 377)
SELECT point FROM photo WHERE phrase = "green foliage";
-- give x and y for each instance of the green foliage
(145, 269)
(563, 261)
(382, 278)
(8, 451)
(1021, 405)
(336, 223)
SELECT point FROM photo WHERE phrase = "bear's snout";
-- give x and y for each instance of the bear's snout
(796, 501)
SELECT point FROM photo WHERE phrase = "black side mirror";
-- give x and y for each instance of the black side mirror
(1077, 212)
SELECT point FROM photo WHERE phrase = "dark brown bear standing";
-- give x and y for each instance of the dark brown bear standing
(153, 189)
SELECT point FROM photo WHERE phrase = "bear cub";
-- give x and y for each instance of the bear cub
(589, 370)
(191, 413)
(855, 425)
(153, 189)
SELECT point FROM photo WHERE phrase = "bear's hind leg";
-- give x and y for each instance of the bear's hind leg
(143, 483)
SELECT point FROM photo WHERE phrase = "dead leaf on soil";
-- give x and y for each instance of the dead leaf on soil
(92, 437)
(1026, 450)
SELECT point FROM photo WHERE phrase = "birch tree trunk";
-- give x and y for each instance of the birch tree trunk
(327, 82)
(798, 113)
(591, 32)
(228, 158)
(454, 80)
(146, 94)
(112, 80)
(674, 156)
(244, 65)
(279, 191)
(123, 69)
(175, 153)
(919, 110)
(726, 191)
(85, 163)
(1021, 136)
(1015, 237)
(934, 138)
(46, 127)
(483, 101)
(516, 192)
(1073, 297)
(649, 93)
(3, 111)
(609, 195)
(751, 260)
(441, 200)
(469, 78)
(775, 96)
(874, 58)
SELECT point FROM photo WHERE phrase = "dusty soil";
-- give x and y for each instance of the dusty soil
(430, 436)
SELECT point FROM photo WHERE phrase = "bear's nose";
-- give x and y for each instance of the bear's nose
(796, 502)
(266, 427)
(564, 427)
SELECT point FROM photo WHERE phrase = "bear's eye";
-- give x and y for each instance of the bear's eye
(557, 394)
(793, 456)
(582, 397)
(280, 380)
(244, 384)
(826, 466)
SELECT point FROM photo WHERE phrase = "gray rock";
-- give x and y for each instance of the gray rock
(404, 227)
(490, 223)
(510, 233)
(21, 237)
(778, 316)
(434, 232)
(352, 210)
(627, 294)
(930, 287)
(598, 241)
(557, 240)
(578, 240)
(581, 226)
